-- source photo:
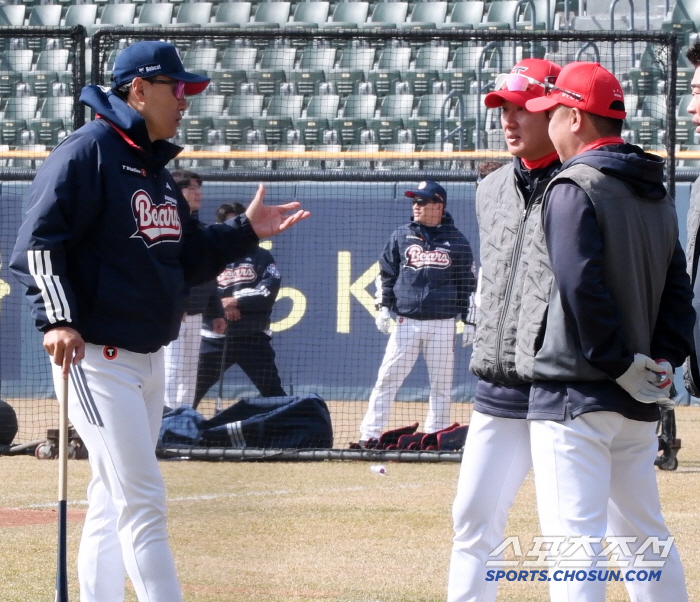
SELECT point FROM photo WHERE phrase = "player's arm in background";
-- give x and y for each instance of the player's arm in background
(465, 280)
(263, 295)
(389, 268)
(672, 339)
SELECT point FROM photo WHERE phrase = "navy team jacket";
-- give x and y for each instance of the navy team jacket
(108, 246)
(427, 273)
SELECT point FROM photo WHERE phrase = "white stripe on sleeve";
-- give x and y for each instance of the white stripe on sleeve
(56, 304)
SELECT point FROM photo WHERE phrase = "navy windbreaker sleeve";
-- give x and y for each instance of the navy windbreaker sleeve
(63, 205)
(575, 249)
(389, 268)
(673, 333)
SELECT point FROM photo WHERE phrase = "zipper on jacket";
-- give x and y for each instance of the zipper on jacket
(500, 372)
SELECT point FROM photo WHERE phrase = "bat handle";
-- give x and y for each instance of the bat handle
(62, 565)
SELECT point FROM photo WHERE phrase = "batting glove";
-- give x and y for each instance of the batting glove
(641, 378)
(383, 320)
(468, 334)
(666, 384)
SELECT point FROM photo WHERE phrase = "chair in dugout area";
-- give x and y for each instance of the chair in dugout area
(348, 15)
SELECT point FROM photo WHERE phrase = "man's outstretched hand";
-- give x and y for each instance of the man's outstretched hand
(268, 221)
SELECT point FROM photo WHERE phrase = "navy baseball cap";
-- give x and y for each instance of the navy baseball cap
(429, 190)
(146, 59)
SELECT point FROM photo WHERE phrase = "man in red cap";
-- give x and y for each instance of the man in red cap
(617, 296)
(496, 455)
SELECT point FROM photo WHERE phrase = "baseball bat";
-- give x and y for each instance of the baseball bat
(62, 568)
(220, 398)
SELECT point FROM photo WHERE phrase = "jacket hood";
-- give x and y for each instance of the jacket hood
(114, 110)
(643, 172)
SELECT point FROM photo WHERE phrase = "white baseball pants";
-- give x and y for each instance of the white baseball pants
(435, 338)
(181, 360)
(495, 462)
(116, 406)
(595, 475)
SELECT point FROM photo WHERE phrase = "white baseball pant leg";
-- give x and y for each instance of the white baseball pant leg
(438, 342)
(116, 407)
(495, 462)
(181, 361)
(399, 358)
(575, 462)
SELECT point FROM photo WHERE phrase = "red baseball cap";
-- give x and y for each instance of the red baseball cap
(525, 81)
(585, 86)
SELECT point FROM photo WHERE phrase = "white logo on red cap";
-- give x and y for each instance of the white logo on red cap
(417, 258)
(155, 223)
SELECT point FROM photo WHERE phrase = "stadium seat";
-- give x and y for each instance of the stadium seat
(323, 107)
(55, 59)
(385, 82)
(346, 82)
(156, 15)
(81, 14)
(48, 132)
(467, 62)
(394, 112)
(48, 15)
(9, 81)
(227, 82)
(360, 106)
(21, 107)
(356, 59)
(428, 118)
(232, 13)
(314, 63)
(206, 105)
(501, 14)
(241, 58)
(312, 130)
(426, 14)
(114, 15)
(394, 58)
(200, 59)
(348, 129)
(194, 13)
(542, 20)
(424, 82)
(13, 130)
(387, 14)
(12, 15)
(277, 59)
(348, 14)
(45, 83)
(245, 105)
(310, 13)
(431, 56)
(285, 106)
(17, 59)
(466, 14)
(233, 130)
(685, 18)
(271, 14)
(59, 107)
(654, 106)
(194, 129)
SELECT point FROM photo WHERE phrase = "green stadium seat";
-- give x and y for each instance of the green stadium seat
(232, 14)
(360, 106)
(20, 107)
(155, 15)
(200, 59)
(233, 129)
(426, 14)
(194, 129)
(387, 15)
(48, 132)
(432, 57)
(384, 82)
(194, 13)
(245, 105)
(9, 80)
(206, 105)
(310, 13)
(345, 81)
(17, 59)
(312, 129)
(271, 14)
(11, 131)
(227, 81)
(58, 107)
(241, 58)
(466, 15)
(501, 14)
(348, 15)
(48, 15)
(80, 14)
(394, 58)
(12, 15)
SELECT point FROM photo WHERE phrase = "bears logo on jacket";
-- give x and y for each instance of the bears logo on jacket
(417, 258)
(238, 275)
(155, 223)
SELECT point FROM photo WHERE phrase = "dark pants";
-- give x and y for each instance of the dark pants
(251, 351)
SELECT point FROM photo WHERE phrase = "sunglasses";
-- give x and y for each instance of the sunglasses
(422, 202)
(178, 87)
(516, 82)
(575, 95)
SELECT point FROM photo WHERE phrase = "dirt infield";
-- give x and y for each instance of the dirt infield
(22, 517)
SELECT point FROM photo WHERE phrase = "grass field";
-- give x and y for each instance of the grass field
(296, 532)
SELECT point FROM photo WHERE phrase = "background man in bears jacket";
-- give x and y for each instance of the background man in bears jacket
(248, 289)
